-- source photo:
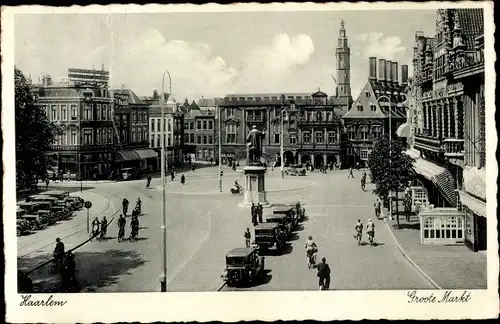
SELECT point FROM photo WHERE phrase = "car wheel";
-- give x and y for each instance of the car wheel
(18, 232)
(34, 227)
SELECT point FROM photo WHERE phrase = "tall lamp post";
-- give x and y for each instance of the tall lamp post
(163, 275)
(220, 149)
(390, 147)
(282, 166)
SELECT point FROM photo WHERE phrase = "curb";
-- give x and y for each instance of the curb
(407, 257)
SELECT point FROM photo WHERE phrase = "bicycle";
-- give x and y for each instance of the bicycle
(121, 234)
(358, 237)
(133, 235)
(55, 265)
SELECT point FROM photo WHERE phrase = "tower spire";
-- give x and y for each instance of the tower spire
(343, 54)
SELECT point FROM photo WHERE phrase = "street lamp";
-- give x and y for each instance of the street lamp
(281, 139)
(220, 149)
(163, 275)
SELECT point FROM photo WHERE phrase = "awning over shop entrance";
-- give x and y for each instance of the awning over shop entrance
(473, 203)
(403, 130)
(441, 177)
(146, 153)
(127, 156)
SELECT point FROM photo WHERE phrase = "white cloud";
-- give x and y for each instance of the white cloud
(376, 44)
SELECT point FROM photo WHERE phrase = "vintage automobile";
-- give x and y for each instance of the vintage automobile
(289, 213)
(77, 202)
(35, 222)
(269, 235)
(29, 207)
(61, 212)
(243, 265)
(59, 194)
(23, 225)
(297, 207)
(42, 198)
(128, 173)
(50, 216)
(296, 170)
(285, 223)
(64, 197)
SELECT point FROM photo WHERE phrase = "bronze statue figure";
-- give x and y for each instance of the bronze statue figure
(254, 146)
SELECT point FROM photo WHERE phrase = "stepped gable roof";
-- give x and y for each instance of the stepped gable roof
(194, 106)
(132, 97)
(319, 93)
(472, 23)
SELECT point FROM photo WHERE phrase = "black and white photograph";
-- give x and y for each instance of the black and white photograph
(309, 150)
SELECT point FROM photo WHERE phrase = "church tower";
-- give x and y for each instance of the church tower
(343, 54)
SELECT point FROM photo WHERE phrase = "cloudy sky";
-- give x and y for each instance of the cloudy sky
(213, 54)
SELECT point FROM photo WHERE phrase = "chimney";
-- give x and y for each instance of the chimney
(388, 71)
(404, 75)
(395, 77)
(381, 69)
(372, 73)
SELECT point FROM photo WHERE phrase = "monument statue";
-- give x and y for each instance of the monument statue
(254, 146)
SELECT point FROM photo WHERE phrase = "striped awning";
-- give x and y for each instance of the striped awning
(127, 156)
(440, 177)
(146, 153)
(472, 203)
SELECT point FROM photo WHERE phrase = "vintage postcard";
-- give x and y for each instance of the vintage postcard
(249, 162)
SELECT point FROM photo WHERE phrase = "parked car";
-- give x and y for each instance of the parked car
(50, 216)
(298, 209)
(35, 222)
(22, 224)
(77, 202)
(62, 212)
(29, 207)
(128, 173)
(269, 235)
(285, 224)
(289, 212)
(243, 265)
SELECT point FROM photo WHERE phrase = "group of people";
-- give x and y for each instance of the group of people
(65, 263)
(370, 230)
(99, 228)
(324, 167)
(134, 224)
(256, 211)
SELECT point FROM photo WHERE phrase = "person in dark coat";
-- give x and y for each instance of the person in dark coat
(253, 210)
(324, 275)
(259, 211)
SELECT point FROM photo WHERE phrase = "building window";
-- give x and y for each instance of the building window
(204, 124)
(73, 138)
(125, 120)
(109, 110)
(319, 137)
(74, 113)
(98, 112)
(198, 139)
(360, 108)
(373, 108)
(64, 112)
(144, 134)
(53, 112)
(133, 134)
(210, 139)
(276, 138)
(306, 138)
(191, 138)
(231, 134)
(293, 138)
(152, 141)
(332, 137)
(110, 136)
(367, 94)
(328, 116)
(191, 125)
(351, 133)
(364, 132)
(169, 125)
(98, 136)
(87, 112)
(363, 154)
(229, 112)
(169, 141)
(186, 125)
(376, 131)
(198, 125)
(186, 138)
(210, 124)
(87, 137)
(158, 141)
(204, 139)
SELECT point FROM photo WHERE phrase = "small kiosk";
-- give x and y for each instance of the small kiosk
(442, 226)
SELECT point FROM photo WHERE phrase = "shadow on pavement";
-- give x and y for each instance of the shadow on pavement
(264, 279)
(415, 226)
(294, 237)
(93, 270)
(286, 249)
(299, 228)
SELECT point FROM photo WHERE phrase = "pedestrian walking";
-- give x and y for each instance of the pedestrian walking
(324, 275)
(407, 204)
(183, 179)
(259, 211)
(53, 176)
(350, 173)
(47, 183)
(248, 236)
(357, 165)
(172, 175)
(377, 206)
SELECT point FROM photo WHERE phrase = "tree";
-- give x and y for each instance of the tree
(390, 168)
(34, 133)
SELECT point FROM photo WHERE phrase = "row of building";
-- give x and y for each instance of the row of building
(439, 110)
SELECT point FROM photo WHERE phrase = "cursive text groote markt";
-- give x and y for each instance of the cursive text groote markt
(50, 302)
(448, 297)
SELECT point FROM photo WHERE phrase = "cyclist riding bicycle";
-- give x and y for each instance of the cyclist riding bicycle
(59, 252)
(104, 227)
(358, 231)
(134, 224)
(138, 204)
(121, 226)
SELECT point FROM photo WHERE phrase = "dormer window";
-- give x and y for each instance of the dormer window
(367, 94)
(249, 98)
(242, 98)
(360, 108)
(373, 108)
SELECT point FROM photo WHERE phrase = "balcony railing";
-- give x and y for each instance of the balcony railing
(84, 147)
(428, 142)
(315, 122)
(453, 147)
(255, 119)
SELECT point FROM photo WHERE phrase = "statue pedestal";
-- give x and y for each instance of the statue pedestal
(255, 188)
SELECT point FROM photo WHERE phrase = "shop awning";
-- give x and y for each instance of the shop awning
(441, 177)
(146, 153)
(403, 130)
(476, 205)
(127, 156)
